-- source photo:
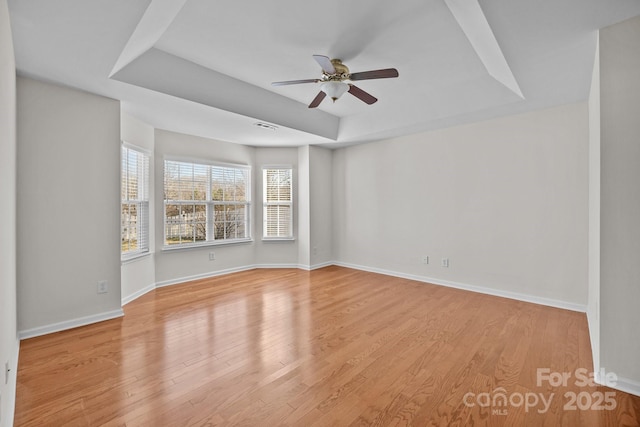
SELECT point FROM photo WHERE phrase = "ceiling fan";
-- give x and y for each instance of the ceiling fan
(336, 80)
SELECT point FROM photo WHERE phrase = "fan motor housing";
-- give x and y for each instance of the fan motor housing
(342, 71)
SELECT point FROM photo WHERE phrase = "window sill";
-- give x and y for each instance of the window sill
(134, 258)
(278, 239)
(206, 244)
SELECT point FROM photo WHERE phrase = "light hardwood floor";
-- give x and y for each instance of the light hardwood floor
(333, 346)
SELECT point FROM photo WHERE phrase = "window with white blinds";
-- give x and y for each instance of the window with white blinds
(205, 204)
(277, 203)
(134, 213)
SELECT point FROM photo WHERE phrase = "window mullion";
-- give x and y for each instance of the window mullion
(209, 226)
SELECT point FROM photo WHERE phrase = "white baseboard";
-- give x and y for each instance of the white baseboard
(275, 266)
(480, 289)
(138, 294)
(69, 324)
(322, 265)
(473, 288)
(185, 279)
(622, 384)
(595, 343)
(204, 275)
(235, 270)
(56, 327)
(628, 386)
(314, 266)
(305, 267)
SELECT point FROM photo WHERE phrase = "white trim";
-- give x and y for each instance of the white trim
(582, 308)
(277, 166)
(134, 257)
(131, 146)
(276, 266)
(317, 266)
(623, 384)
(206, 243)
(69, 324)
(204, 161)
(298, 266)
(595, 346)
(8, 416)
(472, 288)
(210, 274)
(323, 265)
(186, 279)
(56, 327)
(138, 294)
(203, 276)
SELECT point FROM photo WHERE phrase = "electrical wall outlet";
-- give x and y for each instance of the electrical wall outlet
(444, 262)
(425, 259)
(212, 256)
(103, 287)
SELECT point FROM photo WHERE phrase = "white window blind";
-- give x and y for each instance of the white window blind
(277, 203)
(205, 203)
(134, 214)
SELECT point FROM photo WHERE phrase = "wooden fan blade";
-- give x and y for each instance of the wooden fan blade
(362, 95)
(317, 100)
(375, 74)
(295, 82)
(325, 64)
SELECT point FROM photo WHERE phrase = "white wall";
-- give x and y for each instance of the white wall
(275, 252)
(139, 275)
(8, 329)
(315, 167)
(173, 266)
(304, 213)
(320, 205)
(593, 305)
(620, 200)
(68, 206)
(505, 200)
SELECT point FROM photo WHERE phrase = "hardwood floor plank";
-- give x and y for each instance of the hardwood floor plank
(333, 346)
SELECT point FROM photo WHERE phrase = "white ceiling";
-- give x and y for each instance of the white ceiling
(205, 67)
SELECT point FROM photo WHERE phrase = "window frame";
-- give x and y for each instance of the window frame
(208, 202)
(142, 204)
(266, 203)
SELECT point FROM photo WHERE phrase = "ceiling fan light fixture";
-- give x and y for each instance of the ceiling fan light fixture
(334, 89)
(334, 73)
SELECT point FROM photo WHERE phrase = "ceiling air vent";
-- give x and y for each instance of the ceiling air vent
(265, 126)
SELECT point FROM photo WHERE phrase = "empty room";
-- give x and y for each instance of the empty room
(415, 213)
